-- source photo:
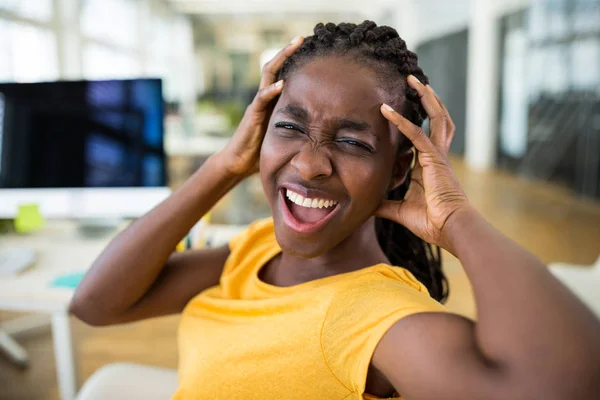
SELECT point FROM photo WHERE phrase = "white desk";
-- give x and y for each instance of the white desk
(61, 250)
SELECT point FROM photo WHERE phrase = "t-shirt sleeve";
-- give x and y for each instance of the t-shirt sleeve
(359, 317)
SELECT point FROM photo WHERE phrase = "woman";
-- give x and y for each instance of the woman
(324, 300)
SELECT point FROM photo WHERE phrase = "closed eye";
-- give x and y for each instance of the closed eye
(356, 143)
(289, 126)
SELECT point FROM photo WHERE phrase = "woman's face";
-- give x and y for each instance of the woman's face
(327, 141)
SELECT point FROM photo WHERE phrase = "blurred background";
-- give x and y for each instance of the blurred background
(143, 91)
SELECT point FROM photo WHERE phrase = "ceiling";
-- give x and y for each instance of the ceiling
(281, 7)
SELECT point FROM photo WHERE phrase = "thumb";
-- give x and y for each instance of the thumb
(393, 210)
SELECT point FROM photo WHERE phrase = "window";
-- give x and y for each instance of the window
(586, 17)
(5, 46)
(40, 10)
(23, 49)
(585, 64)
(104, 62)
(158, 46)
(174, 64)
(556, 74)
(111, 21)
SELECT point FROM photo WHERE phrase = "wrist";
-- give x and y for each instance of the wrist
(231, 166)
(456, 228)
(221, 163)
(213, 175)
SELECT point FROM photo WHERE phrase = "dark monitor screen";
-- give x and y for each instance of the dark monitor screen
(81, 134)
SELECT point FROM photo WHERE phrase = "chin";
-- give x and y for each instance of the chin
(302, 247)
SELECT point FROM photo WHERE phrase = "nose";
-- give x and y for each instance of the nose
(311, 162)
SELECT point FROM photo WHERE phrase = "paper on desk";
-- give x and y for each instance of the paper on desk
(68, 280)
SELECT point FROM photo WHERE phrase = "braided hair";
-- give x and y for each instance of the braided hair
(380, 48)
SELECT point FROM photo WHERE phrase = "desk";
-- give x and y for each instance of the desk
(62, 250)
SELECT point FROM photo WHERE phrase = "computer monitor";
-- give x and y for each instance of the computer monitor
(82, 149)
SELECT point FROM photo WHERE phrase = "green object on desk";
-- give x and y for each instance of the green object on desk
(28, 218)
(69, 281)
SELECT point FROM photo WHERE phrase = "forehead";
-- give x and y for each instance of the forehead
(336, 87)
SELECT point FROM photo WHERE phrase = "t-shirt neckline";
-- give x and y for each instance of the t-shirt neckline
(273, 289)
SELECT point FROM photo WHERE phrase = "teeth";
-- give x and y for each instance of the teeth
(308, 202)
(292, 195)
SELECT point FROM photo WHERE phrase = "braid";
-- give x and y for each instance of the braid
(404, 248)
(380, 48)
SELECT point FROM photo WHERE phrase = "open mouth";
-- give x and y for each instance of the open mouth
(306, 215)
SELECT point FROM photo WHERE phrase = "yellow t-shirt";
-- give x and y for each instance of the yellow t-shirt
(246, 339)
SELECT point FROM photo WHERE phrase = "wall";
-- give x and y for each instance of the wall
(444, 60)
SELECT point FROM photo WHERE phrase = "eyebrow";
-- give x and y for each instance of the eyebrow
(296, 112)
(301, 115)
(360, 126)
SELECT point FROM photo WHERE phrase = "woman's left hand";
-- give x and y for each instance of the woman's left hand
(434, 194)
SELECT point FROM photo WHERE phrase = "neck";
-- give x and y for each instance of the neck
(359, 250)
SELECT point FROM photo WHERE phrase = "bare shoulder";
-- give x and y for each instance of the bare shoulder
(434, 355)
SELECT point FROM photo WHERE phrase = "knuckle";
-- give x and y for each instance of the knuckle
(266, 68)
(448, 118)
(260, 95)
(257, 100)
(253, 119)
(421, 132)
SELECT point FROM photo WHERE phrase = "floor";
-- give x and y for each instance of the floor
(546, 220)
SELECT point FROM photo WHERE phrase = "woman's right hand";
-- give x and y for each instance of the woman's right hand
(240, 156)
(434, 194)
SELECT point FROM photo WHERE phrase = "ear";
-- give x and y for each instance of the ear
(402, 166)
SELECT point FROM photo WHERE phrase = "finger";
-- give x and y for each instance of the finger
(450, 127)
(388, 208)
(435, 112)
(414, 133)
(271, 69)
(394, 210)
(265, 95)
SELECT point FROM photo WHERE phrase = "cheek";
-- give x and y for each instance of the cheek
(266, 162)
(273, 156)
(366, 183)
(271, 151)
(265, 156)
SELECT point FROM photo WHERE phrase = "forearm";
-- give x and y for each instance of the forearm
(132, 261)
(526, 318)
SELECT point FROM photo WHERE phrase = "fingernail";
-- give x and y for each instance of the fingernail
(388, 108)
(415, 78)
(296, 40)
(279, 84)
